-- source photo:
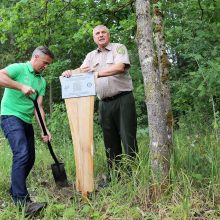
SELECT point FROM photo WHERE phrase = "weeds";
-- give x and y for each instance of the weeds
(193, 191)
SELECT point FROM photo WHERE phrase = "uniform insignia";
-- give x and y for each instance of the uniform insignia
(39, 82)
(120, 50)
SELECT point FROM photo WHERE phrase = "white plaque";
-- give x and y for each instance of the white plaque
(78, 85)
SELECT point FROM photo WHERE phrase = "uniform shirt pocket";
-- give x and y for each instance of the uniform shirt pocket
(110, 58)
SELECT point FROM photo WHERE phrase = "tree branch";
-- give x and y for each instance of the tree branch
(202, 10)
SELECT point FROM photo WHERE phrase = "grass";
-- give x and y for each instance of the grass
(193, 193)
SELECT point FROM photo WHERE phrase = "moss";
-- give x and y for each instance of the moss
(149, 88)
(157, 12)
(165, 61)
(157, 28)
(138, 33)
(164, 77)
(155, 60)
(170, 120)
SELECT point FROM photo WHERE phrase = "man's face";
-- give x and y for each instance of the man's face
(41, 62)
(101, 37)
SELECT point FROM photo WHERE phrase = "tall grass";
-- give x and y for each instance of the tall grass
(193, 192)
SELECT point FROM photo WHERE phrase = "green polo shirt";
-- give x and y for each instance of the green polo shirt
(14, 102)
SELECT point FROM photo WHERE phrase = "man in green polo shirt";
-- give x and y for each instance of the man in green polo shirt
(22, 80)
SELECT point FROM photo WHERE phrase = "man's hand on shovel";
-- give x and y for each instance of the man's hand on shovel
(27, 90)
(47, 137)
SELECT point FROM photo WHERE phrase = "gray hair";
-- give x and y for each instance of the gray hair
(43, 50)
(100, 26)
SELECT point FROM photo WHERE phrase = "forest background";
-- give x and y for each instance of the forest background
(192, 33)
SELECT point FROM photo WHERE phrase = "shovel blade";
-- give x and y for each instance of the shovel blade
(59, 175)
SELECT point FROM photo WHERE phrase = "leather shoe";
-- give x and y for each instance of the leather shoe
(104, 182)
(34, 208)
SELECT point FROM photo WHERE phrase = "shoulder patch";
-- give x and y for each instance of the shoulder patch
(120, 50)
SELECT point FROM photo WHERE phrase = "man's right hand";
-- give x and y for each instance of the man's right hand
(27, 90)
(67, 73)
(47, 137)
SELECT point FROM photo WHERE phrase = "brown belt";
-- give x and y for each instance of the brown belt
(116, 96)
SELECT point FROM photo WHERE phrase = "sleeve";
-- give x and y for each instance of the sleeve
(42, 90)
(86, 61)
(121, 55)
(14, 70)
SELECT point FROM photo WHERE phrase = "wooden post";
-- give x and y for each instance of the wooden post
(80, 112)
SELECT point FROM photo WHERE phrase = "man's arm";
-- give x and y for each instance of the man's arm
(112, 70)
(121, 64)
(109, 71)
(69, 73)
(40, 105)
(7, 82)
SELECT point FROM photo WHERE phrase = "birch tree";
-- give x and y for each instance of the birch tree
(163, 66)
(153, 97)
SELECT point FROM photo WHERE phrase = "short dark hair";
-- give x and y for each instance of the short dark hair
(43, 50)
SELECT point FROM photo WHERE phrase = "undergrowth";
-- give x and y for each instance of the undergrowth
(193, 191)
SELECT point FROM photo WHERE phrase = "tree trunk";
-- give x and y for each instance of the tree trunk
(163, 64)
(155, 106)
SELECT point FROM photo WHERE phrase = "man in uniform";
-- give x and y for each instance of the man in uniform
(22, 80)
(110, 63)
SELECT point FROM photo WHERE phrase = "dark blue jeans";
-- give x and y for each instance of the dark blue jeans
(20, 136)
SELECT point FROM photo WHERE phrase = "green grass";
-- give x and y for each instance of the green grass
(193, 193)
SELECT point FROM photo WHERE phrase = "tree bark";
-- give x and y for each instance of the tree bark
(163, 64)
(155, 106)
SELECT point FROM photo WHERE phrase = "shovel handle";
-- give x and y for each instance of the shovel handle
(44, 128)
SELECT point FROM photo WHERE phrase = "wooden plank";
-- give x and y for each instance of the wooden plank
(80, 114)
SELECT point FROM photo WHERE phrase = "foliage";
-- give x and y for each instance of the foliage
(192, 33)
(191, 28)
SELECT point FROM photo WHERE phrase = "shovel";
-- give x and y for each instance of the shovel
(58, 170)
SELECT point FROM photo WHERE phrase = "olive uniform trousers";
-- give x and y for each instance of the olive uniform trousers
(117, 116)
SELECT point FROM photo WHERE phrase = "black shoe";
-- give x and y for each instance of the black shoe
(34, 208)
(104, 182)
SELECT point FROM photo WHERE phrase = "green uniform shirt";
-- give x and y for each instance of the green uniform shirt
(14, 102)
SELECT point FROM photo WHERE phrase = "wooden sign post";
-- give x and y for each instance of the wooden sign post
(80, 111)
